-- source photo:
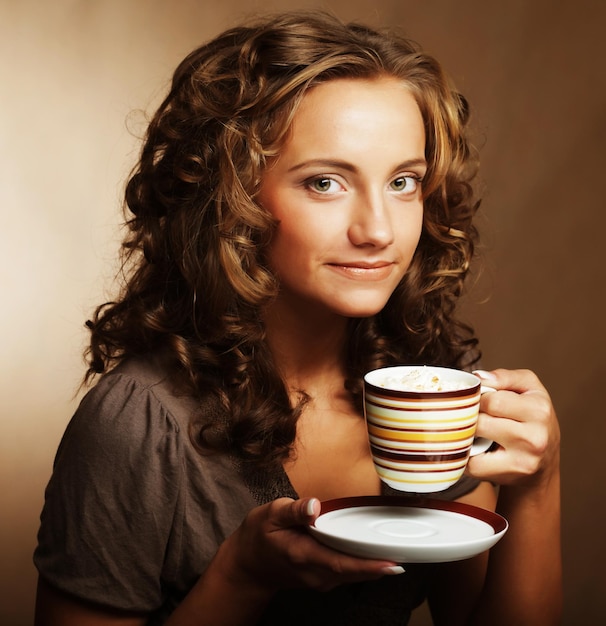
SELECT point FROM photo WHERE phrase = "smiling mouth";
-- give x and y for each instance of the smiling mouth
(364, 271)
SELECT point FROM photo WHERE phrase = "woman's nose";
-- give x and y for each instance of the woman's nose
(371, 223)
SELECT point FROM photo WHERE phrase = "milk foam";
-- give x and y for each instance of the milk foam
(421, 379)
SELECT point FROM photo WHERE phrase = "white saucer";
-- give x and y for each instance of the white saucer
(407, 529)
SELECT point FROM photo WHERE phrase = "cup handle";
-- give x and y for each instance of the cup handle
(481, 444)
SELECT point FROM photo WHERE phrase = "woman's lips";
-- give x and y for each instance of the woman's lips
(364, 271)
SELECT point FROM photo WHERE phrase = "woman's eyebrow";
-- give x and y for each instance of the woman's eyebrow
(346, 165)
(327, 163)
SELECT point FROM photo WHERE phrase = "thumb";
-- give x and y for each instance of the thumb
(296, 512)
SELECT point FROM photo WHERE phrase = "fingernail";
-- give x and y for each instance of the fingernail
(485, 375)
(311, 506)
(393, 570)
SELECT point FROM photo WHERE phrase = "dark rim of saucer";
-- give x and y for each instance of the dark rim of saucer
(496, 521)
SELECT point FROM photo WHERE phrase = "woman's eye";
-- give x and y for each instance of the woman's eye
(406, 184)
(323, 185)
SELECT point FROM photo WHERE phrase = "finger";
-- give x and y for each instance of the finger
(327, 557)
(520, 395)
(503, 404)
(518, 381)
(503, 431)
(530, 406)
(491, 466)
(332, 565)
(287, 513)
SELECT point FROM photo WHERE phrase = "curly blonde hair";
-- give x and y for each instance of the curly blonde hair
(196, 279)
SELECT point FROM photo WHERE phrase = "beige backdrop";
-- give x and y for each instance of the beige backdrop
(73, 72)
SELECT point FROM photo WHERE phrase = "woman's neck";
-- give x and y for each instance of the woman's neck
(308, 346)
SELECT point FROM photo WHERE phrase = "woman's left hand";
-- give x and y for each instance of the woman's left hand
(521, 420)
(522, 579)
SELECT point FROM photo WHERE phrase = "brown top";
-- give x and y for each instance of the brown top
(133, 513)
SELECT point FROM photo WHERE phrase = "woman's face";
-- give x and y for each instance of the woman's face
(346, 191)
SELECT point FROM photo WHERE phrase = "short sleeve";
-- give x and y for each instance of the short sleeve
(110, 505)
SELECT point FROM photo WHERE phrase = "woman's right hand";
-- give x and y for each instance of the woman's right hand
(269, 551)
(272, 549)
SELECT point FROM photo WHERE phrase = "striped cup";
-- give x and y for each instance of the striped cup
(421, 425)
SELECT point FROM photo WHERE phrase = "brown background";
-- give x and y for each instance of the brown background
(73, 72)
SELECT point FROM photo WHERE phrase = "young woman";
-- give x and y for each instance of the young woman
(302, 212)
